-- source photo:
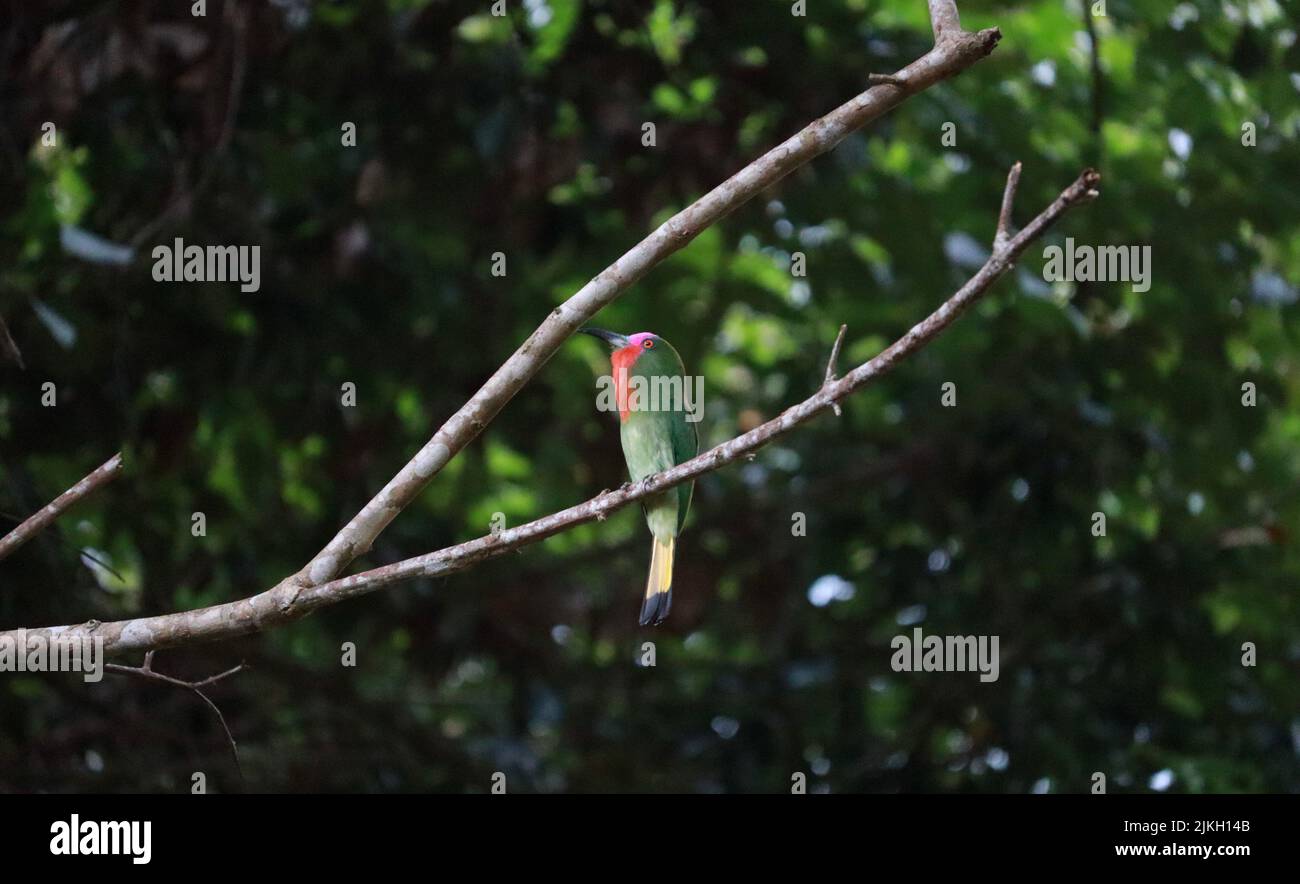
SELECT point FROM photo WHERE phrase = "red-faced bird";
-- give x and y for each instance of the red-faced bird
(656, 435)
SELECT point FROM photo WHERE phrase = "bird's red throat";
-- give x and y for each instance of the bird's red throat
(622, 361)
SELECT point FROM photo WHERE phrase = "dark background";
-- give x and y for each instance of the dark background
(522, 135)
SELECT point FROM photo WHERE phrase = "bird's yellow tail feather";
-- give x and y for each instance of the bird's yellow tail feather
(659, 586)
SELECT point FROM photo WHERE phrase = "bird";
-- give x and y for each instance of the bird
(654, 439)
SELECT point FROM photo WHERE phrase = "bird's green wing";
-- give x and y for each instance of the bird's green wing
(686, 444)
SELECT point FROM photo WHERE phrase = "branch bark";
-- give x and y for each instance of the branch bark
(263, 611)
(102, 475)
(1003, 234)
(953, 52)
(944, 19)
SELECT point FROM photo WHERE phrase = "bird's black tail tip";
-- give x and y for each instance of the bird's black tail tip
(655, 608)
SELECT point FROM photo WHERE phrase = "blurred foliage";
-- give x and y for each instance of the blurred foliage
(522, 134)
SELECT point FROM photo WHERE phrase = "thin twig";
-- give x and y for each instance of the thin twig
(147, 672)
(264, 610)
(87, 554)
(1008, 204)
(831, 365)
(102, 475)
(8, 347)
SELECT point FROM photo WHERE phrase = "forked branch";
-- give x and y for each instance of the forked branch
(148, 673)
(954, 51)
(265, 610)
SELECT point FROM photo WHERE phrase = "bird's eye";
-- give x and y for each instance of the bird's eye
(649, 344)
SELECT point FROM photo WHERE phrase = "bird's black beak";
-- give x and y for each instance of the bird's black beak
(614, 339)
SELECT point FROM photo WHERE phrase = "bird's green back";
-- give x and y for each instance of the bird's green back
(656, 440)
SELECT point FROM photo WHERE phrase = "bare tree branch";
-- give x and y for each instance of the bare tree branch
(956, 51)
(264, 610)
(147, 672)
(104, 474)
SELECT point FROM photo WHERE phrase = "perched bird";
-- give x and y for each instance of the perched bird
(656, 435)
